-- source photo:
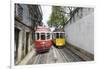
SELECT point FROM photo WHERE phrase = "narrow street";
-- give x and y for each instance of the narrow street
(55, 55)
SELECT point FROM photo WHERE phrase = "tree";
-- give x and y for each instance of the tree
(57, 17)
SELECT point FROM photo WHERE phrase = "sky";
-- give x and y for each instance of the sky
(46, 13)
(47, 10)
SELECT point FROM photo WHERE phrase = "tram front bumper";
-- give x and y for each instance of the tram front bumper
(60, 42)
(42, 49)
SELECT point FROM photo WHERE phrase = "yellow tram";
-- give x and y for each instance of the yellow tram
(59, 39)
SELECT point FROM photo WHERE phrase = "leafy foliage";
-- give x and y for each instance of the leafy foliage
(57, 17)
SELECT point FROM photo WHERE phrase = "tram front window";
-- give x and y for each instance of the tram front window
(48, 35)
(42, 36)
(61, 35)
(57, 35)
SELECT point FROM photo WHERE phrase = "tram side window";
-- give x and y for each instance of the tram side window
(37, 36)
(57, 35)
(48, 35)
(42, 36)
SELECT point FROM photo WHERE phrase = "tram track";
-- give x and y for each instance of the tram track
(64, 57)
(68, 56)
(37, 59)
(41, 58)
(81, 55)
(50, 56)
(56, 55)
(71, 55)
(58, 58)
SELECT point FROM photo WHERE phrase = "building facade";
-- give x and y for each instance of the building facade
(27, 18)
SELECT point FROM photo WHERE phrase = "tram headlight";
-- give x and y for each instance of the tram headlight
(43, 42)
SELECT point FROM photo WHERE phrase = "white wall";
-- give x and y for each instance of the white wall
(81, 33)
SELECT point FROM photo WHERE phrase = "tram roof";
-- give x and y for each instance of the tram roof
(42, 29)
(58, 32)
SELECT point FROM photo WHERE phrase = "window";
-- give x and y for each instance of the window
(57, 35)
(20, 12)
(43, 36)
(81, 13)
(54, 35)
(48, 35)
(77, 13)
(61, 35)
(37, 36)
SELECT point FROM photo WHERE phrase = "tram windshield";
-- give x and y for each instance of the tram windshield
(59, 35)
(48, 35)
(42, 36)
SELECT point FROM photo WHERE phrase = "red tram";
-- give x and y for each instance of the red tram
(43, 39)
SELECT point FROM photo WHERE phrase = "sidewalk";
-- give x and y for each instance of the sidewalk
(27, 58)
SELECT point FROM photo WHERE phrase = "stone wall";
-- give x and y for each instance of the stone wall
(80, 32)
